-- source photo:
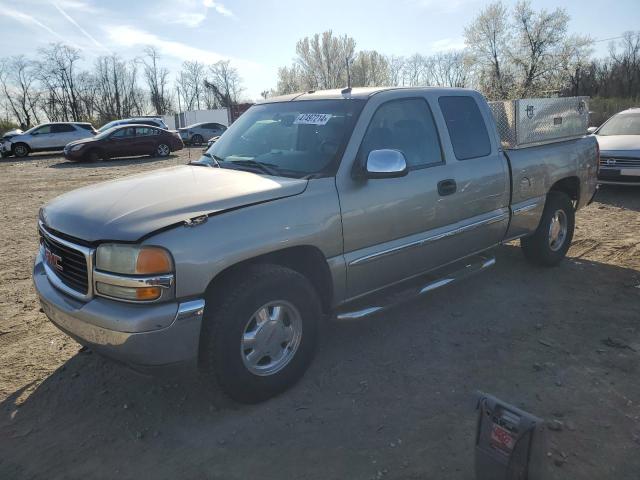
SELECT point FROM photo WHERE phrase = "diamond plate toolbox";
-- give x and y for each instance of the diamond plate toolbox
(535, 121)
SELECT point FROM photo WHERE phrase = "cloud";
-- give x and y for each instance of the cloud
(218, 7)
(187, 19)
(447, 44)
(32, 21)
(82, 30)
(441, 6)
(128, 36)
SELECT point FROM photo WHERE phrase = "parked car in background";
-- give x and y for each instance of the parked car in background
(335, 202)
(210, 142)
(124, 141)
(4, 138)
(48, 137)
(197, 133)
(619, 140)
(152, 121)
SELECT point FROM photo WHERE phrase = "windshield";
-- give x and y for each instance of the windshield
(296, 139)
(622, 124)
(105, 133)
(107, 126)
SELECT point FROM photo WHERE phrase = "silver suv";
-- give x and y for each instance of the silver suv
(47, 137)
(198, 133)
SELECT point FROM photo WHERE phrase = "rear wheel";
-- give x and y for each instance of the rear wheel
(163, 150)
(259, 335)
(197, 139)
(21, 150)
(552, 239)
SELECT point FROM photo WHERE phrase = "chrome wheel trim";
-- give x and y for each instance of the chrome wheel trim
(163, 150)
(271, 338)
(558, 228)
(197, 139)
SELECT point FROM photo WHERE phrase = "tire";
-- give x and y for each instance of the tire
(94, 156)
(163, 150)
(197, 139)
(21, 150)
(549, 244)
(230, 331)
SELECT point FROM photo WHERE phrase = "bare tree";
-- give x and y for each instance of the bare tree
(58, 74)
(449, 69)
(225, 82)
(323, 60)
(157, 79)
(627, 60)
(370, 69)
(396, 67)
(190, 84)
(290, 80)
(18, 82)
(116, 91)
(487, 39)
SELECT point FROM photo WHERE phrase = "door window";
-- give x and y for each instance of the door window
(466, 127)
(43, 130)
(124, 133)
(144, 131)
(62, 128)
(406, 125)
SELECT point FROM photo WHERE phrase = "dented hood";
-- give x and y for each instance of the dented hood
(135, 206)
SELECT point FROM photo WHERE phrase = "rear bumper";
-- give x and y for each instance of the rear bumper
(111, 328)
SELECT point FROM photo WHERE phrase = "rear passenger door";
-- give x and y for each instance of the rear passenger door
(63, 133)
(146, 140)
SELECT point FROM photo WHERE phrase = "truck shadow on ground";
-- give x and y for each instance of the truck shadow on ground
(114, 162)
(622, 196)
(391, 392)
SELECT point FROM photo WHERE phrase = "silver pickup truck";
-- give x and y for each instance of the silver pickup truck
(326, 203)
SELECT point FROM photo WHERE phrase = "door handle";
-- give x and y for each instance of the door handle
(447, 187)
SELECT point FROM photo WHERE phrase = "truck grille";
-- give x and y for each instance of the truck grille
(617, 162)
(71, 268)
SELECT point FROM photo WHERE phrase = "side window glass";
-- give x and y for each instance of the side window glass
(406, 125)
(61, 128)
(466, 127)
(124, 133)
(43, 130)
(143, 131)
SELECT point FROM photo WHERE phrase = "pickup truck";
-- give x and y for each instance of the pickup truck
(325, 204)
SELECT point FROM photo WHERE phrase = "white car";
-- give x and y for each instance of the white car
(619, 141)
(48, 137)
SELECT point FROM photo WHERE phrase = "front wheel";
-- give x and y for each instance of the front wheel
(549, 244)
(163, 150)
(20, 150)
(259, 335)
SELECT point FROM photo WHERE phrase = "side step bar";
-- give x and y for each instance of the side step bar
(418, 287)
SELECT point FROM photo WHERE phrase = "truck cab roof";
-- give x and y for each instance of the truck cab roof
(357, 92)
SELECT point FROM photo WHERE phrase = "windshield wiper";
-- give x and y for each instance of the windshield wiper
(268, 168)
(216, 160)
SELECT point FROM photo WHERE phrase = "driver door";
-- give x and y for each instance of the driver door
(41, 138)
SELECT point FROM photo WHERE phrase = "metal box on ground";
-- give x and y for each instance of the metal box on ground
(509, 442)
(535, 121)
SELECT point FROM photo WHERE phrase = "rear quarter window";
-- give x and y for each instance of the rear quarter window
(467, 130)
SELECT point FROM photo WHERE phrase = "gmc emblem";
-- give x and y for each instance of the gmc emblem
(53, 260)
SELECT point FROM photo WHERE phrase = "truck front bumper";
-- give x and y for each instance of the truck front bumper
(112, 328)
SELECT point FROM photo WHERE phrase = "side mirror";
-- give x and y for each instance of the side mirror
(386, 163)
(591, 130)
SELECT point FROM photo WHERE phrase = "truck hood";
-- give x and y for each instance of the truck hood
(624, 145)
(130, 208)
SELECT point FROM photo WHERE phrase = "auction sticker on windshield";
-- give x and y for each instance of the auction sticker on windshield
(312, 119)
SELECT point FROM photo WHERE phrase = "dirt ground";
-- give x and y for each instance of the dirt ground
(387, 397)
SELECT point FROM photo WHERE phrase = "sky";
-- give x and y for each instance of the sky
(259, 36)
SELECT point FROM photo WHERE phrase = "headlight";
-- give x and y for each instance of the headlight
(133, 272)
(133, 259)
(75, 148)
